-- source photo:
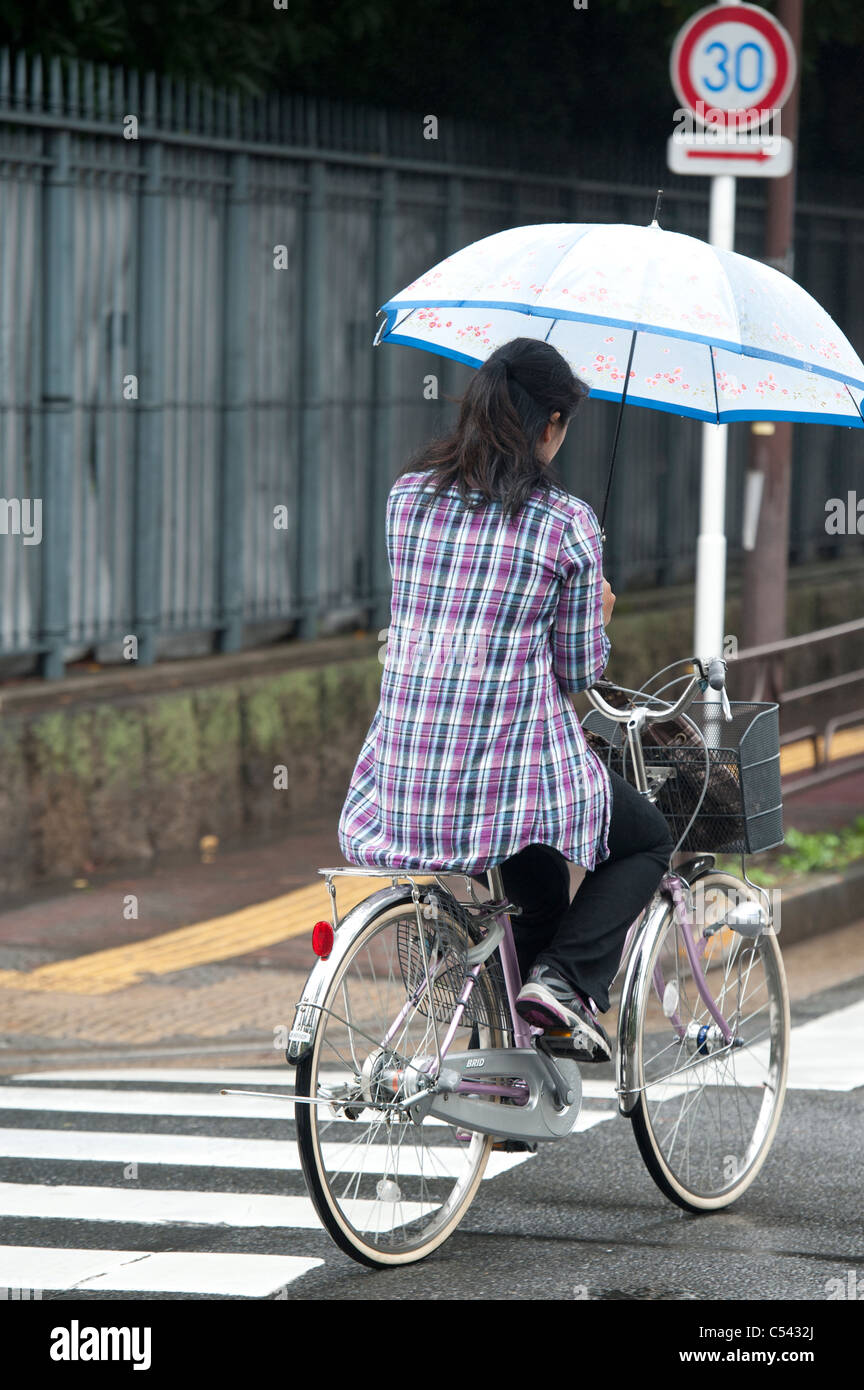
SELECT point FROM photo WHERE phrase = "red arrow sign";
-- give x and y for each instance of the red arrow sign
(758, 155)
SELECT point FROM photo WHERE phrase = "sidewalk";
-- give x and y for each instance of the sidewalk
(218, 950)
(71, 921)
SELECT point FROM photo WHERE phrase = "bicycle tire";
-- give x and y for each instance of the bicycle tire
(350, 1210)
(674, 1132)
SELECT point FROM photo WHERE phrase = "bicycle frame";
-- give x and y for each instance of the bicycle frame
(673, 891)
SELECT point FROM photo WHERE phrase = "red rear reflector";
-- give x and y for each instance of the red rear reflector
(322, 939)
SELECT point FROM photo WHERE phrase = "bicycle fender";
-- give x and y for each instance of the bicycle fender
(696, 867)
(307, 1015)
(628, 1014)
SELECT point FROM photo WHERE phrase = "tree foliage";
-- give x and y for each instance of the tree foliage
(549, 66)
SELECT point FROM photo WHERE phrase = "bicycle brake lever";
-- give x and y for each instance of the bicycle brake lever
(724, 699)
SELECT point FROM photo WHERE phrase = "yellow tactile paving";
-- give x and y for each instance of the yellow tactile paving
(220, 938)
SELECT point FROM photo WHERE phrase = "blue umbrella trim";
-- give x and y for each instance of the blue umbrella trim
(392, 307)
(649, 402)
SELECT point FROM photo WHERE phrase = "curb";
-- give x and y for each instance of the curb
(821, 905)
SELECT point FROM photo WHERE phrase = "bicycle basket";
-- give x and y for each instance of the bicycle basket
(742, 811)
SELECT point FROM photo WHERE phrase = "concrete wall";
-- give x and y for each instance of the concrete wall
(110, 778)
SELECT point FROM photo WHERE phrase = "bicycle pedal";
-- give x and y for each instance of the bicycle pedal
(570, 1045)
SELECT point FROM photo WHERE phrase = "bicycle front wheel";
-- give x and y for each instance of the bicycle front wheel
(708, 1107)
(388, 1190)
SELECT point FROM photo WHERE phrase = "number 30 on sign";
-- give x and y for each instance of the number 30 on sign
(735, 60)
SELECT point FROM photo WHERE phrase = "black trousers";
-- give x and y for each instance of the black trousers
(582, 940)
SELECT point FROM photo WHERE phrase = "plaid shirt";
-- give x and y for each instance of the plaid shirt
(475, 750)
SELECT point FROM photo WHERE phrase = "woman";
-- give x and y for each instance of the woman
(475, 756)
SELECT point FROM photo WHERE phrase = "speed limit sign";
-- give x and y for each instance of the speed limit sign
(733, 66)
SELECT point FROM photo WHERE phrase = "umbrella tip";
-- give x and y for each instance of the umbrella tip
(654, 222)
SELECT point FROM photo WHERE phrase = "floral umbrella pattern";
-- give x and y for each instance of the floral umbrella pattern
(717, 336)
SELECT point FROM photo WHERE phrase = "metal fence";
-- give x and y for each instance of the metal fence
(187, 383)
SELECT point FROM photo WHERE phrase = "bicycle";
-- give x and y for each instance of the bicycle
(411, 1061)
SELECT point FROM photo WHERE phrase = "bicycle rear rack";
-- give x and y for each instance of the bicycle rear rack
(485, 913)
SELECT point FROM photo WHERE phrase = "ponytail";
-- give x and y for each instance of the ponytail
(508, 404)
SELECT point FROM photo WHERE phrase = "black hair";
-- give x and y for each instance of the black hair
(503, 413)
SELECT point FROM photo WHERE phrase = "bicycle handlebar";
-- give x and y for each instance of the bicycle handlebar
(711, 672)
(717, 673)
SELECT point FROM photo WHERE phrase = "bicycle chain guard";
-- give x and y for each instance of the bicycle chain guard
(539, 1118)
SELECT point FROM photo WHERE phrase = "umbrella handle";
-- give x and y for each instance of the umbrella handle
(617, 433)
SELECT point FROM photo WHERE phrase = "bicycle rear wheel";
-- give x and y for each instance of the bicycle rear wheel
(708, 1110)
(390, 1191)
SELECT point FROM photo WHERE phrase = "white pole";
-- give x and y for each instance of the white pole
(711, 545)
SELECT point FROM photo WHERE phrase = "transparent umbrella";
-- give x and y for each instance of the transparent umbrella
(643, 315)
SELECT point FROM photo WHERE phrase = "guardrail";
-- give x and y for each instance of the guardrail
(821, 735)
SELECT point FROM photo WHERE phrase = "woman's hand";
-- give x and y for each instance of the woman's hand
(608, 602)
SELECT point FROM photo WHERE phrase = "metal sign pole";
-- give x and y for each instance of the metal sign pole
(711, 545)
(710, 603)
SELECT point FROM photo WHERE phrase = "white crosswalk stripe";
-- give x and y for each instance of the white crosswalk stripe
(171, 1211)
(158, 1208)
(185, 1150)
(134, 1271)
(191, 1103)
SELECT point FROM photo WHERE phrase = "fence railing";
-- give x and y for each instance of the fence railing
(188, 287)
(822, 731)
